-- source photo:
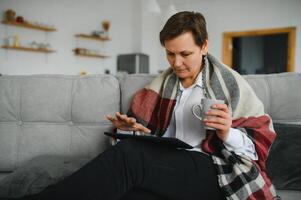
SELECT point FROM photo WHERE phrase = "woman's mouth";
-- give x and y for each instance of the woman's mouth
(180, 71)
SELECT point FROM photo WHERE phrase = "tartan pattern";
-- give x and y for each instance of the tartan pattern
(239, 177)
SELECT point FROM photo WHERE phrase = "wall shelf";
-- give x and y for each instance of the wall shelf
(85, 52)
(91, 55)
(27, 49)
(29, 26)
(92, 37)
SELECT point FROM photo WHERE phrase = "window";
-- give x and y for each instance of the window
(260, 51)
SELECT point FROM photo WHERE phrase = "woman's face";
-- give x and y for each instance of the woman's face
(185, 56)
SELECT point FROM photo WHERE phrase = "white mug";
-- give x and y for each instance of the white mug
(200, 109)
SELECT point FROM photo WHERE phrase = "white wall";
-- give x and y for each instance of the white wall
(132, 30)
(69, 17)
(239, 15)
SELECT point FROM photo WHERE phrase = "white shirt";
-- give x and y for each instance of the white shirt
(186, 127)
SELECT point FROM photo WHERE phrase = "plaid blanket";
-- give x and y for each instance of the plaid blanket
(239, 177)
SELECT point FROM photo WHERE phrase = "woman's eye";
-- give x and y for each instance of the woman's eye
(185, 55)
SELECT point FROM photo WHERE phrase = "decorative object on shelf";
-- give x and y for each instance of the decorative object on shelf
(43, 45)
(80, 50)
(16, 41)
(20, 19)
(9, 15)
(100, 34)
(83, 72)
(34, 45)
(106, 26)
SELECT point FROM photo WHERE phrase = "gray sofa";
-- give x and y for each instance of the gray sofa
(50, 125)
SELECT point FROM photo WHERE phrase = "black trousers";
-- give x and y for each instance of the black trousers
(140, 170)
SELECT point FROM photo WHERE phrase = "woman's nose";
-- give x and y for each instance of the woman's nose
(178, 61)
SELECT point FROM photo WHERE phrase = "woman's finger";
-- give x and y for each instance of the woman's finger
(217, 126)
(140, 127)
(122, 118)
(119, 116)
(221, 106)
(131, 120)
(112, 119)
(129, 123)
(217, 120)
(218, 113)
(109, 117)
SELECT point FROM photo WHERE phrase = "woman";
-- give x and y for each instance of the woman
(226, 163)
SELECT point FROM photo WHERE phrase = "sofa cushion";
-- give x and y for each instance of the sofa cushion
(284, 161)
(54, 114)
(279, 94)
(36, 174)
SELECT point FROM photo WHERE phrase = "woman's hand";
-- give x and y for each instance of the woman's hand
(219, 118)
(125, 123)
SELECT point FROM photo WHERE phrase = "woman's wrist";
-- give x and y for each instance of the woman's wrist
(223, 135)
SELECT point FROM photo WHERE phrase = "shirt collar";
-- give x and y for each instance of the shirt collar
(198, 82)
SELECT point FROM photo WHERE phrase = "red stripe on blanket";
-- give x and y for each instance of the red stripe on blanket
(164, 112)
(143, 103)
(151, 108)
(263, 136)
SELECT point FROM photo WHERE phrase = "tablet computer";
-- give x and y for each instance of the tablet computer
(167, 141)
